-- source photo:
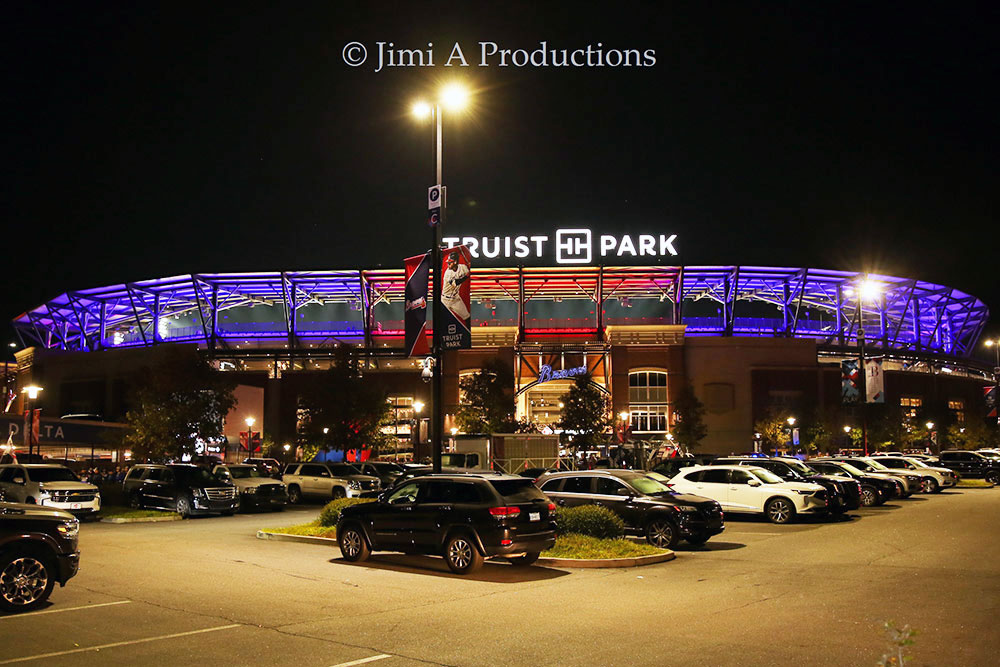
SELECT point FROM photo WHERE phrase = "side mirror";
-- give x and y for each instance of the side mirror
(18, 480)
(753, 482)
(625, 492)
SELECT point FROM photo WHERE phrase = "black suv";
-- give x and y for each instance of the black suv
(179, 487)
(971, 464)
(843, 492)
(38, 547)
(875, 490)
(644, 504)
(464, 518)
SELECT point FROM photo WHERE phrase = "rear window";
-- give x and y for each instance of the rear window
(518, 490)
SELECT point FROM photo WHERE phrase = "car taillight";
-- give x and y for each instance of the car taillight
(506, 543)
(552, 507)
(505, 511)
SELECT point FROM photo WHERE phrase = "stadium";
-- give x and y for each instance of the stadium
(750, 340)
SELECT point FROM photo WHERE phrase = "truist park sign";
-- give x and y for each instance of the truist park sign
(570, 246)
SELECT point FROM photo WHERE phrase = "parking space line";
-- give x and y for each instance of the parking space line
(363, 660)
(58, 611)
(116, 644)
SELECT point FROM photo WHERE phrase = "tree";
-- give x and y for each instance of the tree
(179, 403)
(773, 431)
(344, 412)
(689, 416)
(488, 401)
(586, 412)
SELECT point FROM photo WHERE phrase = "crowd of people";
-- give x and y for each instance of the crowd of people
(98, 476)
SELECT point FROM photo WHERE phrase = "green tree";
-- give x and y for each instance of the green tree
(689, 415)
(488, 401)
(586, 411)
(177, 404)
(345, 412)
(773, 431)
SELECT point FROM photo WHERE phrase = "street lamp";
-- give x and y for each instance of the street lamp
(868, 290)
(31, 393)
(453, 97)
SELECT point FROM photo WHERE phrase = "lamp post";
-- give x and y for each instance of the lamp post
(250, 422)
(30, 394)
(791, 425)
(418, 407)
(454, 97)
(995, 344)
(870, 290)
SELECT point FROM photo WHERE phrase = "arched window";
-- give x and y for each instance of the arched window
(647, 401)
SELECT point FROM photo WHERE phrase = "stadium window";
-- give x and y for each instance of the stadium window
(910, 405)
(957, 408)
(647, 397)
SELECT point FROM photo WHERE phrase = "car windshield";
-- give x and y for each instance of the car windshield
(917, 462)
(766, 476)
(386, 466)
(196, 477)
(344, 469)
(647, 485)
(800, 468)
(876, 465)
(850, 469)
(243, 472)
(52, 475)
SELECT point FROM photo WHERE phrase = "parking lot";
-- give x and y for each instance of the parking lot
(206, 591)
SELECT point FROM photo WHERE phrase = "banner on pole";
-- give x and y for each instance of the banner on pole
(418, 271)
(456, 297)
(874, 381)
(32, 426)
(850, 387)
(990, 397)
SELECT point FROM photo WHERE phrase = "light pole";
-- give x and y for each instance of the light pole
(791, 426)
(454, 97)
(250, 422)
(30, 393)
(418, 407)
(868, 289)
(995, 344)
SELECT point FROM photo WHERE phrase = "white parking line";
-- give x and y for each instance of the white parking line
(58, 611)
(362, 660)
(116, 644)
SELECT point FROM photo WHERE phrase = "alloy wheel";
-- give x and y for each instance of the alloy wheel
(868, 497)
(23, 581)
(460, 553)
(350, 544)
(661, 534)
(779, 511)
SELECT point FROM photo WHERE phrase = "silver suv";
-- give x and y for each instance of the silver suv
(50, 485)
(328, 481)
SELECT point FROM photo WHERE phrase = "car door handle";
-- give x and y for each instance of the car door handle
(560, 501)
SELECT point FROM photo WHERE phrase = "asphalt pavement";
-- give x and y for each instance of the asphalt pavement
(206, 591)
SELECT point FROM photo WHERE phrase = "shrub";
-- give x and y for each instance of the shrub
(331, 512)
(590, 520)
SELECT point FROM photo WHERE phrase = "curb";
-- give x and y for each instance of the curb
(308, 539)
(144, 519)
(959, 486)
(607, 562)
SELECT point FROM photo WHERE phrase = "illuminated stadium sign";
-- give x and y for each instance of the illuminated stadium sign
(572, 246)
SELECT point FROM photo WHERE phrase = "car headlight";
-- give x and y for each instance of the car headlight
(804, 493)
(198, 493)
(354, 484)
(69, 529)
(250, 489)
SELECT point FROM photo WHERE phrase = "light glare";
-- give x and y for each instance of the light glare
(454, 97)
(421, 110)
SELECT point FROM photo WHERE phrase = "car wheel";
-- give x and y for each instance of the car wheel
(294, 495)
(353, 546)
(184, 506)
(662, 533)
(25, 581)
(992, 477)
(339, 492)
(462, 555)
(779, 510)
(527, 559)
(929, 485)
(134, 502)
(869, 496)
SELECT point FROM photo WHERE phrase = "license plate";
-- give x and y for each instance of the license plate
(534, 516)
(76, 506)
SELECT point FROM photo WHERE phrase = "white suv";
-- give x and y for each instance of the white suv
(934, 478)
(752, 490)
(49, 485)
(327, 480)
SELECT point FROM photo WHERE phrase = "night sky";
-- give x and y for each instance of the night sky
(147, 140)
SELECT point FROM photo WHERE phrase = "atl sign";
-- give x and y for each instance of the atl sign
(572, 246)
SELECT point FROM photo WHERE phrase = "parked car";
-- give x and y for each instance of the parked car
(843, 493)
(940, 478)
(269, 467)
(464, 518)
(386, 471)
(971, 464)
(255, 490)
(179, 487)
(51, 485)
(38, 547)
(752, 490)
(328, 481)
(875, 489)
(647, 507)
(908, 482)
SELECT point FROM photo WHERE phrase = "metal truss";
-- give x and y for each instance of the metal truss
(317, 309)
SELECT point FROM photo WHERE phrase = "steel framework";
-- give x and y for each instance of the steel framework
(299, 310)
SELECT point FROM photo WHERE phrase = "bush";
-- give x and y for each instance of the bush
(331, 512)
(590, 520)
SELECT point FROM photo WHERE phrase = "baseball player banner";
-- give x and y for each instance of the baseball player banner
(418, 270)
(874, 381)
(456, 299)
(850, 392)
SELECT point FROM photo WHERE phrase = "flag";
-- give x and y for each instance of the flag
(850, 387)
(874, 381)
(415, 311)
(32, 426)
(990, 396)
(456, 297)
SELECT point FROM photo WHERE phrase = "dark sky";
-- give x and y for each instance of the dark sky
(147, 139)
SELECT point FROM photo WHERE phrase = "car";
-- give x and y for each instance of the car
(184, 488)
(971, 464)
(51, 485)
(255, 490)
(909, 481)
(875, 489)
(843, 493)
(646, 506)
(38, 548)
(269, 467)
(752, 490)
(464, 518)
(386, 471)
(328, 481)
(940, 478)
